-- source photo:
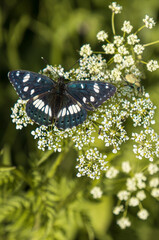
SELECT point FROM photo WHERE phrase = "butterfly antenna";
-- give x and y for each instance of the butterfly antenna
(46, 62)
(74, 64)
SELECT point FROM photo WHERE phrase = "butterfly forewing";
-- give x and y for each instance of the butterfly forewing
(29, 84)
(90, 94)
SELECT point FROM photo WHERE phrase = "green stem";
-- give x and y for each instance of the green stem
(149, 44)
(58, 160)
(143, 62)
(45, 156)
(113, 26)
(139, 29)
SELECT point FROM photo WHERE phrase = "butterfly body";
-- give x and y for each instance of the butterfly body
(65, 104)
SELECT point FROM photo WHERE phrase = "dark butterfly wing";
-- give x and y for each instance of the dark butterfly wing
(66, 104)
(48, 107)
(71, 113)
(90, 94)
(29, 84)
(39, 109)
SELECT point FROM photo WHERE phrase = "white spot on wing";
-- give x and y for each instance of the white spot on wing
(74, 108)
(96, 88)
(71, 109)
(32, 91)
(42, 109)
(41, 104)
(35, 102)
(26, 89)
(46, 109)
(106, 86)
(78, 108)
(50, 112)
(92, 99)
(64, 112)
(17, 73)
(38, 103)
(26, 78)
(84, 99)
(82, 86)
(39, 79)
(59, 114)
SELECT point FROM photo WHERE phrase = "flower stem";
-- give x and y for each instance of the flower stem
(143, 62)
(113, 26)
(149, 44)
(58, 160)
(139, 29)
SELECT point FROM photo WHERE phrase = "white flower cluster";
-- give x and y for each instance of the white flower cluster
(106, 124)
(116, 8)
(148, 144)
(127, 27)
(47, 138)
(149, 22)
(91, 164)
(134, 192)
(152, 65)
(142, 111)
(19, 116)
(102, 36)
(86, 50)
(96, 192)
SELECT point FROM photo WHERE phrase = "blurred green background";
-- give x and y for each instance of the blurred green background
(55, 30)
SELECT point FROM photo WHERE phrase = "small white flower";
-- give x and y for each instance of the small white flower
(127, 27)
(112, 172)
(109, 48)
(138, 49)
(152, 65)
(102, 36)
(116, 75)
(126, 167)
(118, 209)
(153, 168)
(118, 40)
(143, 214)
(124, 222)
(96, 192)
(123, 50)
(118, 58)
(133, 201)
(149, 22)
(86, 50)
(154, 182)
(141, 195)
(116, 8)
(131, 184)
(155, 192)
(123, 195)
(128, 61)
(132, 39)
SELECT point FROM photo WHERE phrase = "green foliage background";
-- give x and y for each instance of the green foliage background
(37, 202)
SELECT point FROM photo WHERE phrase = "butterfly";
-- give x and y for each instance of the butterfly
(65, 104)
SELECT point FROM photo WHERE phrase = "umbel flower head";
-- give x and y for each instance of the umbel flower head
(119, 63)
(107, 123)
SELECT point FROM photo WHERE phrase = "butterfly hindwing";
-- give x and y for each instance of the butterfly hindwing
(39, 109)
(29, 84)
(90, 94)
(46, 108)
(71, 113)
